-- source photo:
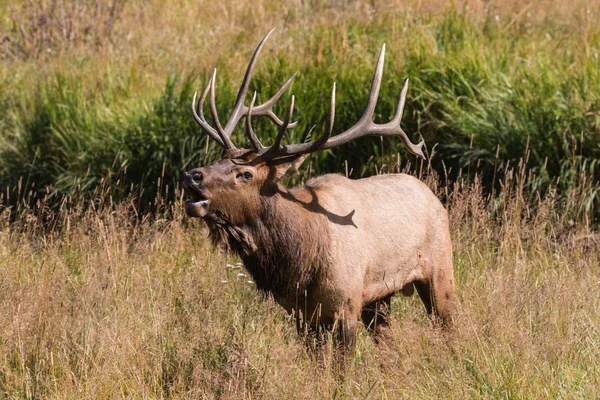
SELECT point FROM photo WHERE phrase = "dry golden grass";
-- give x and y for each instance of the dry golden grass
(152, 37)
(107, 307)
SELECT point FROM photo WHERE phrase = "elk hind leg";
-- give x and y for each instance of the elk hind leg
(424, 289)
(437, 294)
(443, 294)
(375, 317)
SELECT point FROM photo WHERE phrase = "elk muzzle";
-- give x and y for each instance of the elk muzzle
(197, 200)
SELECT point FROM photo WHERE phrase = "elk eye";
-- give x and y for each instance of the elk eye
(244, 175)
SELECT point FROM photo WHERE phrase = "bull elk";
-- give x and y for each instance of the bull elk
(335, 249)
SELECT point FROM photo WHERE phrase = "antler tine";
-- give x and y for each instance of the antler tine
(401, 102)
(223, 134)
(416, 149)
(266, 109)
(320, 142)
(197, 109)
(228, 144)
(366, 121)
(256, 144)
(238, 108)
(374, 92)
(331, 113)
(277, 151)
(277, 145)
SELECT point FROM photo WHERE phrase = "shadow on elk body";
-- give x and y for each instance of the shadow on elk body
(333, 248)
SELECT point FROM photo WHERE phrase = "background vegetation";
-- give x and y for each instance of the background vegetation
(101, 89)
(107, 291)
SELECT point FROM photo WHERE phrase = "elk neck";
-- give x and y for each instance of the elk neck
(284, 247)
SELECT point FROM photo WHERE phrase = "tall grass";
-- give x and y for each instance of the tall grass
(109, 304)
(487, 85)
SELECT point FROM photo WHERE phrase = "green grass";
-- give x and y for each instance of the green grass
(489, 93)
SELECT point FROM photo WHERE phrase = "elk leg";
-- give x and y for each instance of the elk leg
(424, 290)
(442, 282)
(346, 340)
(315, 340)
(348, 333)
(438, 297)
(375, 317)
(443, 295)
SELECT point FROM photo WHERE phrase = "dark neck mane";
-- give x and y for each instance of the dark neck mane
(283, 249)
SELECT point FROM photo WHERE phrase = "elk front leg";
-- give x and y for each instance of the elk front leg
(348, 334)
(345, 342)
(345, 330)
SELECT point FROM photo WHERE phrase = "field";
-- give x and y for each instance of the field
(108, 291)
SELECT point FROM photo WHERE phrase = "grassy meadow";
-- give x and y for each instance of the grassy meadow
(108, 291)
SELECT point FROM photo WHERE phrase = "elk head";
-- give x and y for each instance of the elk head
(232, 186)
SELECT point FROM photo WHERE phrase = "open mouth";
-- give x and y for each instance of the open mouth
(196, 203)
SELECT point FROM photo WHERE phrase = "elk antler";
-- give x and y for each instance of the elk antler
(364, 127)
(222, 135)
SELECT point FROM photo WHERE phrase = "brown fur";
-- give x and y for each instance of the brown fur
(347, 244)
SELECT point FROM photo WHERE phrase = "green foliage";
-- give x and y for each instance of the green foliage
(489, 96)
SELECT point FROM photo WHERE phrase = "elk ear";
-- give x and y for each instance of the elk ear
(285, 167)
